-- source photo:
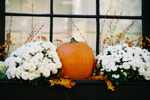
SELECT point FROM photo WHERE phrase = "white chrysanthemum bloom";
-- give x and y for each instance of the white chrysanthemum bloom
(115, 76)
(46, 73)
(38, 49)
(18, 75)
(53, 48)
(25, 75)
(51, 66)
(9, 76)
(108, 69)
(18, 60)
(39, 56)
(32, 67)
(33, 60)
(40, 64)
(13, 71)
(58, 64)
(26, 65)
(121, 52)
(26, 56)
(126, 65)
(46, 45)
(31, 76)
(125, 45)
(19, 71)
(125, 74)
(8, 61)
(119, 47)
(12, 63)
(37, 74)
(141, 70)
(46, 61)
(114, 68)
(13, 54)
(41, 69)
(104, 62)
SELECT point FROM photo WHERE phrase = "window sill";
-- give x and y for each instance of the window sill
(83, 90)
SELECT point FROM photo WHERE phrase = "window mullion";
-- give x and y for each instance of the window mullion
(51, 21)
(97, 26)
(2, 26)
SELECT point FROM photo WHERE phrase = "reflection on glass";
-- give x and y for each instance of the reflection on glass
(85, 7)
(28, 6)
(111, 27)
(64, 29)
(128, 7)
(22, 27)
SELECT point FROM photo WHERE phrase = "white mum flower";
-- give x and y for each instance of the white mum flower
(58, 64)
(125, 45)
(114, 68)
(41, 69)
(8, 74)
(38, 49)
(39, 56)
(8, 60)
(26, 65)
(18, 60)
(12, 63)
(32, 67)
(37, 74)
(46, 73)
(31, 76)
(13, 71)
(147, 77)
(19, 71)
(126, 65)
(25, 75)
(119, 47)
(116, 76)
(26, 56)
(141, 71)
(33, 61)
(54, 71)
(13, 54)
(104, 62)
(46, 45)
(125, 74)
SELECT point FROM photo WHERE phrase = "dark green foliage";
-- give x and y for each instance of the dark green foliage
(3, 76)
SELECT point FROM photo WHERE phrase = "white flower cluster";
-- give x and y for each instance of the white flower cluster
(122, 57)
(33, 60)
(2, 67)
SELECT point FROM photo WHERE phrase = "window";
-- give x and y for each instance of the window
(88, 16)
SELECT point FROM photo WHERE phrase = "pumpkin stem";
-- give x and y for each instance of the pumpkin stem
(73, 40)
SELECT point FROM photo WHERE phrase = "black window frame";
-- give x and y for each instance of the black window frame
(145, 17)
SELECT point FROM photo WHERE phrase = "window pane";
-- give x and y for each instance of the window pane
(109, 30)
(85, 7)
(22, 27)
(64, 29)
(128, 7)
(28, 6)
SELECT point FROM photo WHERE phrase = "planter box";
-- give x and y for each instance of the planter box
(83, 90)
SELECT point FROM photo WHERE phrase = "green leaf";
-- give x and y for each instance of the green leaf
(117, 83)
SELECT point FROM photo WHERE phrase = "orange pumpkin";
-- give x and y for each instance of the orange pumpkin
(77, 59)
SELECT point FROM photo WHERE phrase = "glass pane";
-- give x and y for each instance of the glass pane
(127, 7)
(109, 28)
(22, 27)
(85, 7)
(28, 6)
(64, 29)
